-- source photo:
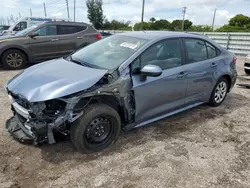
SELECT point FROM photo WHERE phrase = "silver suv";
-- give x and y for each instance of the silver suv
(45, 41)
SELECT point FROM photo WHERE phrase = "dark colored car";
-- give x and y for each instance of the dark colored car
(121, 82)
(44, 42)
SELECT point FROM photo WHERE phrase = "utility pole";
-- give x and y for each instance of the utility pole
(184, 14)
(45, 14)
(142, 13)
(67, 4)
(74, 10)
(19, 15)
(30, 12)
(213, 19)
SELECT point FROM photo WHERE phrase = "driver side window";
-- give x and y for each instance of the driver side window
(165, 54)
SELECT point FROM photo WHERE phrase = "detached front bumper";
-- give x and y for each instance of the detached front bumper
(26, 131)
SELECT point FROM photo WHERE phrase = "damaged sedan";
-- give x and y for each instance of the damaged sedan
(119, 83)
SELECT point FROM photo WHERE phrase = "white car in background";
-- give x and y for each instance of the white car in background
(26, 22)
(247, 65)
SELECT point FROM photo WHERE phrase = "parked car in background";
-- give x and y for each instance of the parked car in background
(247, 65)
(45, 41)
(121, 82)
(26, 22)
(105, 34)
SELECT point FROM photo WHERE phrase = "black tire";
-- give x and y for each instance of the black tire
(212, 100)
(83, 127)
(247, 71)
(18, 64)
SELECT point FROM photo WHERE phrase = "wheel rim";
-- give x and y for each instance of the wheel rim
(14, 60)
(220, 92)
(98, 131)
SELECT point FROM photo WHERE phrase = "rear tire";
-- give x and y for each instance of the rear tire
(219, 92)
(247, 71)
(13, 59)
(97, 129)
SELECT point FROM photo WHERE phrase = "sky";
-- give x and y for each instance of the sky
(200, 12)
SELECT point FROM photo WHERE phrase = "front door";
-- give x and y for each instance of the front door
(157, 96)
(201, 68)
(46, 45)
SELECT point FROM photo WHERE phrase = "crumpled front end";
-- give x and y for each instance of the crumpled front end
(37, 122)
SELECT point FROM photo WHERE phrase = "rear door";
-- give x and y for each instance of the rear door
(157, 96)
(201, 67)
(46, 45)
(71, 37)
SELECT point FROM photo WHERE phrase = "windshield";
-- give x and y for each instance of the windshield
(108, 53)
(26, 31)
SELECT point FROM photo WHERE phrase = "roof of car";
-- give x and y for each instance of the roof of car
(65, 22)
(158, 34)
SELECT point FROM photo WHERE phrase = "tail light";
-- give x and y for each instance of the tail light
(98, 36)
(234, 59)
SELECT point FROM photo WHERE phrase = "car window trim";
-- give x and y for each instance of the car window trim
(165, 39)
(72, 25)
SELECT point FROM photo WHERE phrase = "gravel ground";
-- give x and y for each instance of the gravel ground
(202, 147)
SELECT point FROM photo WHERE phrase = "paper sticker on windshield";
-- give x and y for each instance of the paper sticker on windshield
(129, 45)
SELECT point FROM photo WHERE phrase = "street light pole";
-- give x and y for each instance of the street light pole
(142, 14)
(67, 4)
(213, 19)
(74, 10)
(184, 14)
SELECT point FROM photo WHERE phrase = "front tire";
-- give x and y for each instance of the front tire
(98, 128)
(13, 59)
(219, 92)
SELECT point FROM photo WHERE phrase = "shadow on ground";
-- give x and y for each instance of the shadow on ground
(161, 130)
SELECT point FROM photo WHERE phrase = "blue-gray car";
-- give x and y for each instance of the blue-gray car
(121, 82)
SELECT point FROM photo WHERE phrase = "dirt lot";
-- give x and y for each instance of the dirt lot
(203, 147)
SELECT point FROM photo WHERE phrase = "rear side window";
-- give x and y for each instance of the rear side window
(67, 29)
(211, 51)
(196, 50)
(47, 30)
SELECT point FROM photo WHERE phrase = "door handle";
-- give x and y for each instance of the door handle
(54, 40)
(79, 37)
(182, 75)
(213, 65)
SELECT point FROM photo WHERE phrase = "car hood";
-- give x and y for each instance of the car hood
(4, 37)
(53, 79)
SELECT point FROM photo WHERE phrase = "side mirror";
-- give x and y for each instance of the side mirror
(150, 70)
(33, 35)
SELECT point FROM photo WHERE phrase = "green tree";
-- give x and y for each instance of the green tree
(200, 28)
(152, 19)
(176, 25)
(95, 13)
(161, 25)
(146, 26)
(229, 28)
(239, 20)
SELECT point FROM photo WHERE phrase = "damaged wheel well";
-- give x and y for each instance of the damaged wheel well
(109, 100)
